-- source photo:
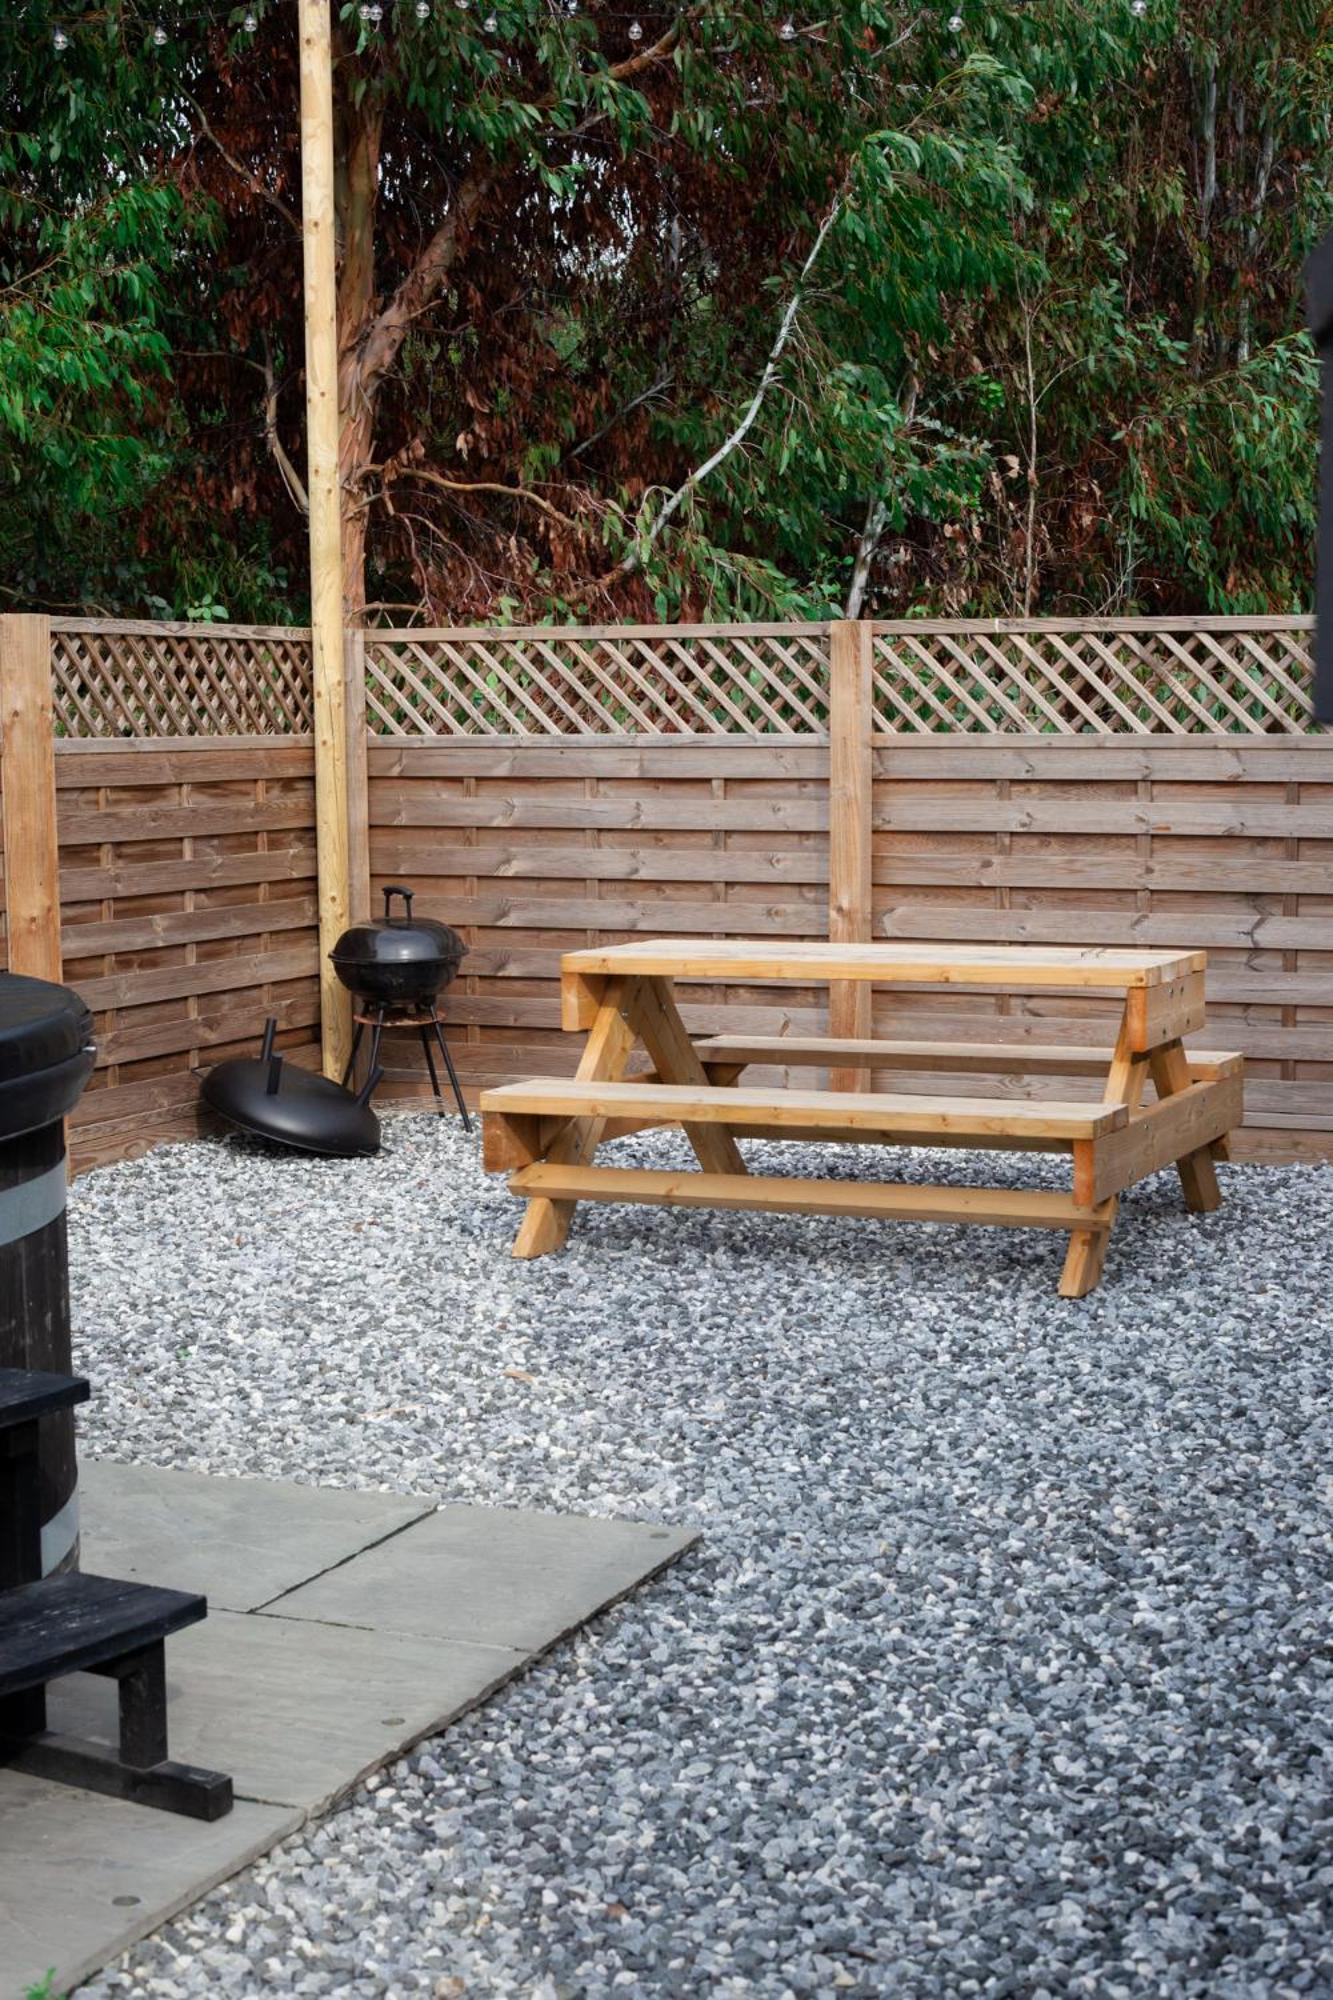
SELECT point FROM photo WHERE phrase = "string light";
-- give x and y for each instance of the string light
(250, 24)
(159, 36)
(788, 31)
(60, 41)
(955, 24)
(491, 24)
(462, 5)
(1139, 8)
(636, 31)
(423, 10)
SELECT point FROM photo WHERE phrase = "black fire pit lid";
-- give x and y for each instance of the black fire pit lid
(292, 1106)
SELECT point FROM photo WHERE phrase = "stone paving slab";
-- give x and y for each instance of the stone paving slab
(296, 1711)
(381, 1622)
(83, 1877)
(489, 1575)
(191, 1531)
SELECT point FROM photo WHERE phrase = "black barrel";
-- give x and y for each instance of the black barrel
(46, 1058)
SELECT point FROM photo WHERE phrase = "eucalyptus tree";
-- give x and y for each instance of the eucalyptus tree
(90, 228)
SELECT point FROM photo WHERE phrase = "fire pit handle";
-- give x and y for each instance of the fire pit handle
(397, 889)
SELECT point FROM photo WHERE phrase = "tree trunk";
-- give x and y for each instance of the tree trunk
(358, 191)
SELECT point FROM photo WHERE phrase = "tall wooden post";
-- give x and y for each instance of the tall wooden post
(28, 790)
(326, 581)
(850, 771)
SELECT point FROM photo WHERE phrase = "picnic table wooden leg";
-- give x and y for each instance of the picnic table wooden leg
(545, 1225)
(1085, 1259)
(656, 1018)
(1198, 1175)
(1125, 1080)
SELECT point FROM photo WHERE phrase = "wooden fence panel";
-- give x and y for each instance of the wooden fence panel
(1165, 842)
(188, 915)
(532, 848)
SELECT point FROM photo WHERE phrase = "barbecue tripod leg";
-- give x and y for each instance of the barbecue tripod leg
(350, 1070)
(453, 1074)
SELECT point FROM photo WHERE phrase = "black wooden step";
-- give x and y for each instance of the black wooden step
(27, 1393)
(67, 1624)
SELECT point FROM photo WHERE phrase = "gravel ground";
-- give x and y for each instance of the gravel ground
(1004, 1668)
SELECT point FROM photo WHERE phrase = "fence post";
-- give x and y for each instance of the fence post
(851, 643)
(28, 792)
(358, 780)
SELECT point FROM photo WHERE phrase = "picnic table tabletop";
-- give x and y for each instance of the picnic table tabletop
(900, 961)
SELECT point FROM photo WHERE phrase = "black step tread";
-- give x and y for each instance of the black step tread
(65, 1623)
(26, 1393)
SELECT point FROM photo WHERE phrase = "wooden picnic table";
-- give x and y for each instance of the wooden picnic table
(546, 1132)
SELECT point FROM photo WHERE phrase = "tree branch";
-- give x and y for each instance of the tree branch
(291, 478)
(391, 472)
(877, 519)
(635, 559)
(424, 281)
(246, 174)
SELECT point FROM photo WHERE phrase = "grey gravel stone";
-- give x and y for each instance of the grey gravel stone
(1004, 1666)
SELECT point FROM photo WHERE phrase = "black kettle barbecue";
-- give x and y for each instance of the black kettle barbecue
(396, 969)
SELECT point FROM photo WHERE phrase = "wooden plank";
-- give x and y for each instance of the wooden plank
(851, 705)
(780, 1195)
(757, 813)
(1218, 760)
(84, 761)
(501, 863)
(198, 821)
(217, 975)
(1163, 1013)
(1157, 1137)
(922, 811)
(202, 872)
(1005, 1058)
(238, 921)
(1201, 927)
(28, 796)
(896, 964)
(152, 628)
(535, 758)
(358, 790)
(323, 486)
(552, 1097)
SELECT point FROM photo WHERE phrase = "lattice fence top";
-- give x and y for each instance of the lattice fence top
(121, 679)
(1178, 677)
(700, 680)
(995, 677)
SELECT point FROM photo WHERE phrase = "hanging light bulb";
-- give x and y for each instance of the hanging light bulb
(462, 5)
(1139, 8)
(788, 31)
(60, 41)
(955, 24)
(250, 24)
(636, 31)
(159, 36)
(491, 24)
(423, 10)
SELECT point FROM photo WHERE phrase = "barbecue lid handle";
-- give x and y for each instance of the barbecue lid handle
(397, 889)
